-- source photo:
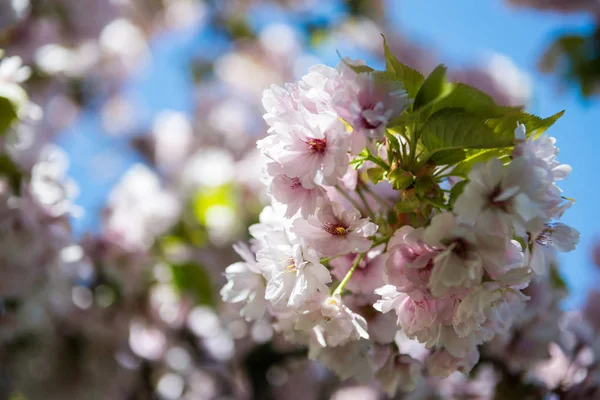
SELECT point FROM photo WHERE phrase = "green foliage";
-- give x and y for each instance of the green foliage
(8, 114)
(434, 87)
(410, 78)
(424, 185)
(534, 124)
(456, 129)
(576, 59)
(407, 205)
(359, 69)
(400, 179)
(206, 198)
(192, 279)
(449, 157)
(358, 161)
(473, 157)
(10, 171)
(449, 125)
(556, 280)
(376, 174)
(456, 191)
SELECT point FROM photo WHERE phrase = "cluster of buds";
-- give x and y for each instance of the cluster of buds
(407, 217)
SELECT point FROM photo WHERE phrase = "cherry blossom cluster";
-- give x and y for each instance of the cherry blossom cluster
(407, 213)
(36, 195)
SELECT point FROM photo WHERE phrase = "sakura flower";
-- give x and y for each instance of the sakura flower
(367, 103)
(382, 328)
(271, 219)
(367, 276)
(499, 255)
(315, 153)
(441, 363)
(541, 152)
(335, 231)
(292, 194)
(245, 284)
(336, 322)
(555, 237)
(12, 70)
(538, 157)
(490, 307)
(494, 198)
(416, 318)
(459, 265)
(317, 89)
(350, 360)
(410, 260)
(294, 272)
(281, 106)
(399, 372)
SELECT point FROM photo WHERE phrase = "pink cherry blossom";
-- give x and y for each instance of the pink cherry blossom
(490, 307)
(292, 194)
(245, 284)
(441, 363)
(281, 106)
(416, 318)
(382, 328)
(315, 152)
(337, 323)
(459, 265)
(336, 231)
(368, 103)
(368, 275)
(294, 272)
(494, 198)
(409, 260)
(555, 237)
(399, 371)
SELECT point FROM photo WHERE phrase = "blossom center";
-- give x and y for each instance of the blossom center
(335, 229)
(545, 238)
(317, 145)
(461, 248)
(291, 267)
(295, 183)
(369, 117)
(502, 204)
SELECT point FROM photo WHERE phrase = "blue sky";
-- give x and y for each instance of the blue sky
(461, 31)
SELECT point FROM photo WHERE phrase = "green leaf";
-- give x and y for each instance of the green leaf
(435, 86)
(461, 97)
(556, 280)
(448, 157)
(456, 129)
(424, 185)
(192, 279)
(435, 202)
(358, 161)
(375, 174)
(359, 69)
(400, 179)
(11, 171)
(393, 145)
(535, 125)
(456, 191)
(478, 156)
(407, 206)
(410, 78)
(466, 97)
(8, 114)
